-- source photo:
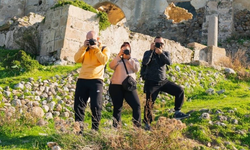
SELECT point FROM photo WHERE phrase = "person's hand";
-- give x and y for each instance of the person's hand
(120, 53)
(99, 42)
(158, 51)
(152, 47)
(126, 56)
(86, 43)
(93, 46)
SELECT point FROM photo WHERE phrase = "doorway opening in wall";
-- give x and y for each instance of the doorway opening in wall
(188, 6)
(115, 13)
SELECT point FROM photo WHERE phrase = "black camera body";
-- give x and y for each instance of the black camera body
(92, 42)
(158, 45)
(126, 52)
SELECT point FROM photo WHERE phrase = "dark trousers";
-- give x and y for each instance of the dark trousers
(152, 89)
(86, 88)
(117, 94)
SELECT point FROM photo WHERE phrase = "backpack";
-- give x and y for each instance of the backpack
(143, 71)
(105, 64)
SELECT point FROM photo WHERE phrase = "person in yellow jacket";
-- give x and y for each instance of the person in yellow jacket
(93, 57)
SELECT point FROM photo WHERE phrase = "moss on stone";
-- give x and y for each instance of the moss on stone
(103, 22)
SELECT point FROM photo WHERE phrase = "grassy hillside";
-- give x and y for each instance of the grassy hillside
(219, 105)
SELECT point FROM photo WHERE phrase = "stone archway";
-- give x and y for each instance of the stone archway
(115, 13)
(122, 7)
(136, 12)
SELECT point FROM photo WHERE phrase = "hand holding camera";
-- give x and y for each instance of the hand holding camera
(158, 48)
(152, 46)
(124, 53)
(91, 43)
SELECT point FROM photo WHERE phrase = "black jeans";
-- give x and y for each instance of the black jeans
(152, 89)
(117, 94)
(86, 88)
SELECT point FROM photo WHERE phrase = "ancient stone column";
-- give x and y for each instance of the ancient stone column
(213, 31)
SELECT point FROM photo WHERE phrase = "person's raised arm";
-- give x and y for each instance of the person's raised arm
(81, 52)
(148, 55)
(165, 58)
(102, 55)
(134, 64)
(114, 63)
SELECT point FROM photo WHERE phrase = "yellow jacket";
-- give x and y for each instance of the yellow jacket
(93, 62)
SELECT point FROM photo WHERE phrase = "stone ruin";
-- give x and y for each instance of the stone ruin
(56, 34)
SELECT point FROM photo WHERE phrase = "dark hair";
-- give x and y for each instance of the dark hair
(158, 37)
(126, 44)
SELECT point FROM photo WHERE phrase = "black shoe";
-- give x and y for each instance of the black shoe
(147, 127)
(181, 115)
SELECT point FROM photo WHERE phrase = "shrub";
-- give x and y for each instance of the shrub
(20, 62)
(103, 22)
(200, 132)
(238, 62)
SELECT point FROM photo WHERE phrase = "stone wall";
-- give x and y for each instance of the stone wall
(19, 8)
(239, 5)
(114, 36)
(215, 55)
(138, 13)
(23, 33)
(65, 29)
(10, 8)
(62, 28)
(211, 54)
(200, 51)
(242, 22)
(40, 6)
(224, 10)
(184, 32)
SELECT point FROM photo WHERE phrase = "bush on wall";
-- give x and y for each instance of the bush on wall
(103, 17)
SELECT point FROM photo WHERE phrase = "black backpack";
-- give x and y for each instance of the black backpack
(143, 71)
(105, 64)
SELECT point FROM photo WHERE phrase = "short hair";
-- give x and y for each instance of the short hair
(158, 37)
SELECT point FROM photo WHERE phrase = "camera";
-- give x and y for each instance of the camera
(158, 45)
(92, 42)
(126, 52)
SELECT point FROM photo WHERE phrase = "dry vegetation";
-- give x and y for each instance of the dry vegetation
(238, 62)
(166, 134)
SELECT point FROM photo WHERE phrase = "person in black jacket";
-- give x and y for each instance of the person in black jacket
(153, 71)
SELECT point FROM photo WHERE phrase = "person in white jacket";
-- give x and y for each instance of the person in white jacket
(116, 90)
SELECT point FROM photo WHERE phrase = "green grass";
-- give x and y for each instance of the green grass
(43, 73)
(23, 134)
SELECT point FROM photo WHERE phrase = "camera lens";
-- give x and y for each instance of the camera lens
(158, 45)
(126, 52)
(92, 42)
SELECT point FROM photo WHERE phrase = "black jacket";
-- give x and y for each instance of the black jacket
(154, 65)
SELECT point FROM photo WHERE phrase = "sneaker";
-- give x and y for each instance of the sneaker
(181, 115)
(147, 127)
